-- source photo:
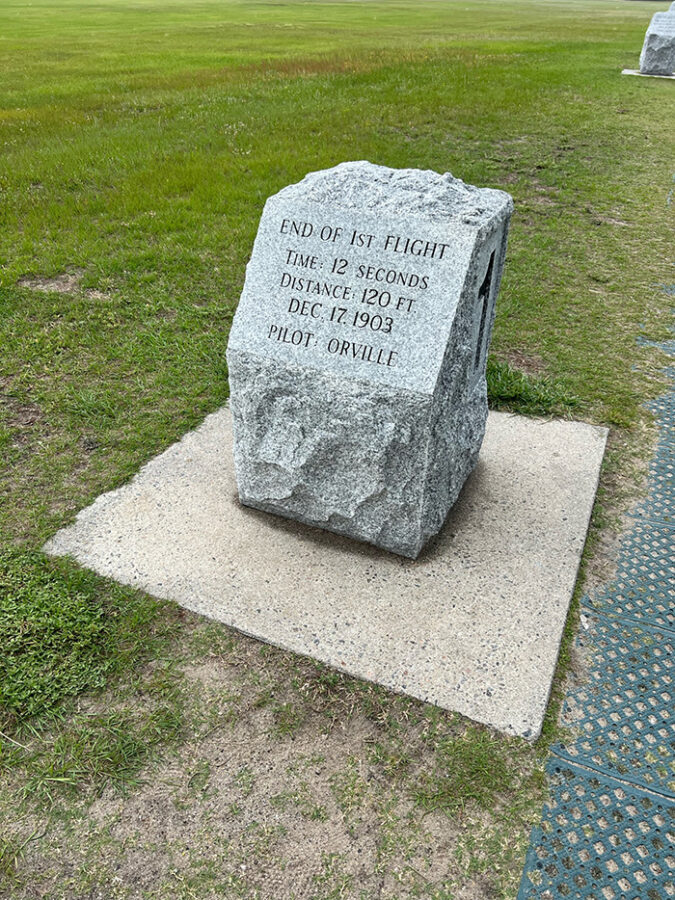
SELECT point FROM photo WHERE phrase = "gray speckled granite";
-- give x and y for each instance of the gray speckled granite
(658, 51)
(473, 625)
(357, 354)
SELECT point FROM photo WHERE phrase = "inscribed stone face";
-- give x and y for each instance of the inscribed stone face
(357, 354)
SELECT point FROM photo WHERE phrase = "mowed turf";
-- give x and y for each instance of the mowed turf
(138, 143)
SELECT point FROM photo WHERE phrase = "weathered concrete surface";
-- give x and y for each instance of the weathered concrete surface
(473, 625)
(658, 51)
(644, 74)
(357, 354)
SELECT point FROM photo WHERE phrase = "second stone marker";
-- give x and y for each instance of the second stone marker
(357, 354)
(658, 51)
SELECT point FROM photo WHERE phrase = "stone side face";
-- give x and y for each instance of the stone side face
(376, 453)
(460, 407)
(328, 453)
(658, 50)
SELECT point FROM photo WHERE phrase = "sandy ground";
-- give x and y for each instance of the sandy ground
(285, 789)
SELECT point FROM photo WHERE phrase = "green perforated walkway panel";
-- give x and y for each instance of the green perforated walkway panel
(608, 828)
(624, 712)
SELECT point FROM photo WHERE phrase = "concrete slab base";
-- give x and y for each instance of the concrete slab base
(645, 74)
(473, 625)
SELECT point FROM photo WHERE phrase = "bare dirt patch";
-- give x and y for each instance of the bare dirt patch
(530, 363)
(18, 415)
(64, 283)
(288, 788)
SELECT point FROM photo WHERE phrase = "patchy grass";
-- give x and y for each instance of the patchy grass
(514, 390)
(358, 794)
(471, 767)
(140, 141)
(10, 852)
(63, 631)
(99, 750)
(137, 156)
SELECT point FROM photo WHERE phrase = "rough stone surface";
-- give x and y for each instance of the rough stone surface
(473, 625)
(357, 354)
(658, 50)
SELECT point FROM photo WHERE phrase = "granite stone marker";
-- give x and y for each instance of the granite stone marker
(357, 354)
(658, 50)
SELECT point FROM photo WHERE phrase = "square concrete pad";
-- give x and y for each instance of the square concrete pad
(473, 625)
(644, 74)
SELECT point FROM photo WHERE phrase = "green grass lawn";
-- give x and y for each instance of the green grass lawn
(138, 143)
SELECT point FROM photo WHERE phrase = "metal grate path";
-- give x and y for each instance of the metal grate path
(601, 840)
(608, 828)
(644, 590)
(623, 715)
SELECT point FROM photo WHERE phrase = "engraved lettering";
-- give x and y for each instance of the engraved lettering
(380, 356)
(304, 260)
(305, 308)
(301, 229)
(284, 335)
(415, 246)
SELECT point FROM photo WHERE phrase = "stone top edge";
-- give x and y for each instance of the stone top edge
(664, 15)
(368, 188)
